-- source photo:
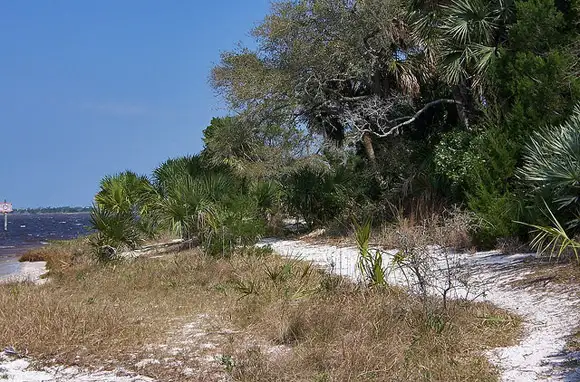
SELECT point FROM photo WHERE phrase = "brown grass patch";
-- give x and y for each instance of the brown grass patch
(61, 256)
(255, 316)
(354, 334)
(451, 229)
(573, 344)
(543, 272)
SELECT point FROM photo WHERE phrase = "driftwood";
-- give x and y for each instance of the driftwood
(176, 245)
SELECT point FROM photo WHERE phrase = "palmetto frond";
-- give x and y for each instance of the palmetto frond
(464, 35)
(468, 34)
(125, 192)
(116, 229)
(469, 21)
(173, 169)
(189, 205)
(553, 239)
(552, 160)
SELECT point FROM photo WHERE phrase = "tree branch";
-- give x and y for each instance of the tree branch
(394, 129)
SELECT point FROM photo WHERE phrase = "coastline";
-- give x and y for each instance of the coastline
(9, 265)
(26, 272)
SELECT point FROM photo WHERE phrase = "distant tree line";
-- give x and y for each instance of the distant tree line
(52, 210)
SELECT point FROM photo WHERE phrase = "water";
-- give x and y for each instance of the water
(31, 231)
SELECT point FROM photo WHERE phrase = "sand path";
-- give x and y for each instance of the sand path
(550, 312)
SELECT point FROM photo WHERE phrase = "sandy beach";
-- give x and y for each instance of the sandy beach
(23, 272)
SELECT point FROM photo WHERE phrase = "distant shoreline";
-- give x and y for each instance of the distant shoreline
(52, 210)
(50, 213)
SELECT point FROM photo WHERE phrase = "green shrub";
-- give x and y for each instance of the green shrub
(115, 231)
(370, 264)
(267, 195)
(490, 190)
(313, 195)
(552, 166)
(238, 224)
(455, 159)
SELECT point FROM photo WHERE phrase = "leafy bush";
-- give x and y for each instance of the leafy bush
(238, 224)
(267, 195)
(201, 204)
(123, 212)
(313, 195)
(489, 184)
(455, 158)
(115, 230)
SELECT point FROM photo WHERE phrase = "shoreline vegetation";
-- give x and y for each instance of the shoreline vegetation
(419, 133)
(52, 210)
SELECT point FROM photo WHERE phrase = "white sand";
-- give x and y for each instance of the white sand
(550, 313)
(28, 272)
(18, 370)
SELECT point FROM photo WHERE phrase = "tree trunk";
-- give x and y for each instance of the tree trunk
(369, 149)
(462, 105)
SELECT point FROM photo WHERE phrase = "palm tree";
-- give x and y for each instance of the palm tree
(174, 168)
(190, 196)
(470, 34)
(462, 37)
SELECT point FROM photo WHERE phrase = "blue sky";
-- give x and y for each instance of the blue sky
(89, 88)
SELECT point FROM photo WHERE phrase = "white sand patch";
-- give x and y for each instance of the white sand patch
(550, 314)
(19, 370)
(28, 272)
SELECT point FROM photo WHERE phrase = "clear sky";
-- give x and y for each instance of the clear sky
(89, 88)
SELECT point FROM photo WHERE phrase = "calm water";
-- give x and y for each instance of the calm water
(29, 231)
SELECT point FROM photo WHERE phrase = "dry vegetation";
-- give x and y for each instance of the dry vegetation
(61, 255)
(451, 229)
(574, 342)
(254, 317)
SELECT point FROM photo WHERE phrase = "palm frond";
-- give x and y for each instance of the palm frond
(552, 161)
(553, 239)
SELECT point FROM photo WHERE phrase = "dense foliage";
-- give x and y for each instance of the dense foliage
(372, 108)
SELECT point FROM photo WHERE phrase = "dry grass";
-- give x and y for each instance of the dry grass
(574, 342)
(451, 229)
(349, 334)
(266, 318)
(61, 256)
(542, 272)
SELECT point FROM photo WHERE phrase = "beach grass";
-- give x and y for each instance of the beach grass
(254, 317)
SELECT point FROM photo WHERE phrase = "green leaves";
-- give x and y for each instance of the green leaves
(554, 239)
(314, 194)
(114, 229)
(369, 264)
(469, 31)
(188, 198)
(552, 162)
(123, 211)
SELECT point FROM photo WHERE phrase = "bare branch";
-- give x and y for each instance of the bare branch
(393, 130)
